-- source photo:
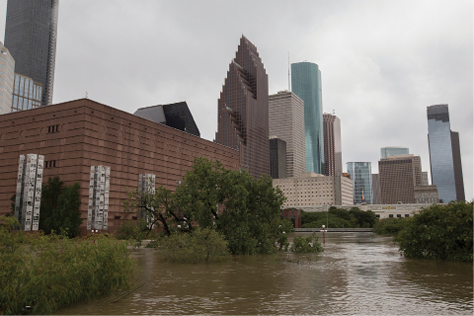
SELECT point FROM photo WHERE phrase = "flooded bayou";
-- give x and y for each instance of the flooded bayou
(358, 273)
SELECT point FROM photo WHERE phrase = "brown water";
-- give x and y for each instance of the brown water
(358, 273)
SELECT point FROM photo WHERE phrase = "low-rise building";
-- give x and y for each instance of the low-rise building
(77, 135)
(315, 189)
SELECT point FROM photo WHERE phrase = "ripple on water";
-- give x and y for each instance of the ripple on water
(356, 274)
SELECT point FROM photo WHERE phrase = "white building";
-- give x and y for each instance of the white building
(311, 189)
(7, 74)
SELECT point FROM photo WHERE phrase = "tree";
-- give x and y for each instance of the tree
(441, 232)
(60, 208)
(244, 210)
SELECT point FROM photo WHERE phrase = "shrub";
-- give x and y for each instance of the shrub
(391, 226)
(53, 271)
(202, 245)
(308, 244)
(441, 232)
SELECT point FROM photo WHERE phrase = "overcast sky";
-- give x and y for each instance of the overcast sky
(382, 62)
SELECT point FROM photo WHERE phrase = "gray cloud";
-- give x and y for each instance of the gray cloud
(382, 62)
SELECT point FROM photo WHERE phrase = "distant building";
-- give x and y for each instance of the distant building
(399, 175)
(375, 189)
(7, 74)
(30, 35)
(426, 194)
(424, 174)
(361, 176)
(242, 116)
(393, 151)
(278, 156)
(401, 181)
(176, 115)
(286, 121)
(27, 94)
(445, 155)
(332, 145)
(306, 84)
(311, 189)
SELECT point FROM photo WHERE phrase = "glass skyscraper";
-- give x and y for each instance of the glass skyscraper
(445, 156)
(393, 151)
(30, 35)
(361, 176)
(306, 84)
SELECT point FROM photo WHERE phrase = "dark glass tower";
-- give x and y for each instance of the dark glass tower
(445, 155)
(306, 83)
(242, 121)
(30, 35)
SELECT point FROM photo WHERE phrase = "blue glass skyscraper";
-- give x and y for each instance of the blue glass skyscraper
(445, 156)
(361, 176)
(306, 84)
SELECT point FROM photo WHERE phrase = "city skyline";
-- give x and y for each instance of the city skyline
(380, 72)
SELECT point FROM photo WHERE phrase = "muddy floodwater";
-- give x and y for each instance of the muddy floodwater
(358, 273)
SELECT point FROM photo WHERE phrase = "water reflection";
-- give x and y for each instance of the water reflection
(359, 273)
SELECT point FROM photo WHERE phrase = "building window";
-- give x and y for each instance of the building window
(407, 215)
(53, 128)
(377, 215)
(50, 164)
(399, 215)
(390, 215)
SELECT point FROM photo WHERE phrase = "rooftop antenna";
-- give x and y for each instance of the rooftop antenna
(333, 112)
(289, 75)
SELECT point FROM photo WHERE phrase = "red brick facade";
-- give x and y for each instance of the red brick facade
(75, 135)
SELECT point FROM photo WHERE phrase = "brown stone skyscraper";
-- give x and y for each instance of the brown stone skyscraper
(332, 145)
(242, 121)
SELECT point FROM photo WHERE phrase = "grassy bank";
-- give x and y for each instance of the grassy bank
(49, 272)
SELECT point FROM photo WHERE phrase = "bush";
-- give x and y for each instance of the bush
(439, 232)
(391, 226)
(49, 272)
(202, 245)
(308, 244)
(338, 218)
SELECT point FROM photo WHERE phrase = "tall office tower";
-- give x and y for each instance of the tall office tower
(332, 145)
(445, 155)
(393, 151)
(27, 94)
(278, 154)
(361, 176)
(306, 83)
(242, 121)
(30, 35)
(286, 121)
(398, 177)
(7, 64)
(375, 189)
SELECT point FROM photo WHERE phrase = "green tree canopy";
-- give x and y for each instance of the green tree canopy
(246, 211)
(442, 232)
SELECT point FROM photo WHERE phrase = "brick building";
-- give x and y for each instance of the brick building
(75, 135)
